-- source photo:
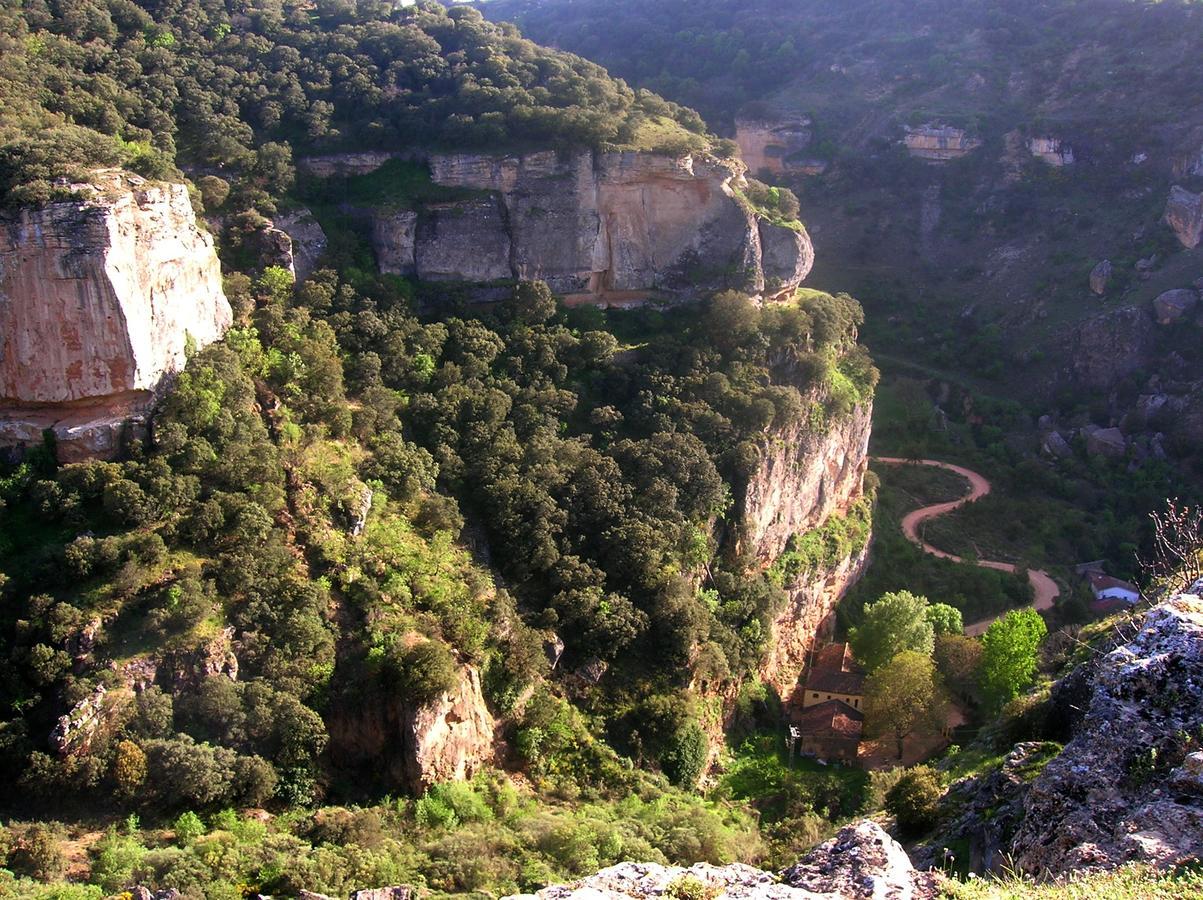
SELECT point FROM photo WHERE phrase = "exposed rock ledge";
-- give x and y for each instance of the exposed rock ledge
(99, 299)
(1129, 786)
(862, 862)
(586, 223)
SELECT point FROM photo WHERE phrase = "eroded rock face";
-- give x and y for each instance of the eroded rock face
(1100, 275)
(1184, 214)
(597, 222)
(1111, 345)
(1051, 150)
(807, 616)
(862, 862)
(803, 477)
(767, 145)
(394, 237)
(1171, 307)
(99, 298)
(308, 240)
(939, 143)
(451, 738)
(1114, 793)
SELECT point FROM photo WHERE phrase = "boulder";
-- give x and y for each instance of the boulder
(450, 738)
(1115, 794)
(1184, 214)
(1173, 306)
(787, 256)
(1111, 345)
(1108, 442)
(1053, 444)
(1099, 276)
(397, 892)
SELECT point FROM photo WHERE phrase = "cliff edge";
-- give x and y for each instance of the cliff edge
(100, 299)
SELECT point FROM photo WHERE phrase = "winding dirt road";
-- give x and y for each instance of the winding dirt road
(1046, 590)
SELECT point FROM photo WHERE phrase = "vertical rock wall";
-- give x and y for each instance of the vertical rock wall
(99, 298)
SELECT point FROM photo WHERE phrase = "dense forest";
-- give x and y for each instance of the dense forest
(239, 85)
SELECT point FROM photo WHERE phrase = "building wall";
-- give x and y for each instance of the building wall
(813, 698)
(831, 749)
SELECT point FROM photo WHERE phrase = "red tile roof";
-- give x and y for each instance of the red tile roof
(835, 671)
(832, 718)
(1101, 582)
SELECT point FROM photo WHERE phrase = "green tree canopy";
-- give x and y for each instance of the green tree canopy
(896, 622)
(904, 696)
(945, 619)
(1009, 655)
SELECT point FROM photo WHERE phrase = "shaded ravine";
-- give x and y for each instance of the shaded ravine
(1046, 590)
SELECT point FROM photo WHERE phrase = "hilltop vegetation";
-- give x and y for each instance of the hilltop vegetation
(241, 85)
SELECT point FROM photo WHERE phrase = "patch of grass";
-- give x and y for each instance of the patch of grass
(1126, 883)
(398, 184)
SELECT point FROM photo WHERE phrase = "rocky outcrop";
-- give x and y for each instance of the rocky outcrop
(938, 143)
(862, 862)
(1111, 345)
(99, 298)
(804, 476)
(307, 240)
(1184, 214)
(451, 738)
(772, 145)
(465, 241)
(1100, 275)
(188, 668)
(1122, 789)
(593, 223)
(1051, 150)
(394, 237)
(1171, 307)
(345, 165)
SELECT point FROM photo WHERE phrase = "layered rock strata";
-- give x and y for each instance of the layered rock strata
(100, 297)
(593, 223)
(772, 145)
(939, 143)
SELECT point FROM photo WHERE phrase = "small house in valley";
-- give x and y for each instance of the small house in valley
(834, 674)
(829, 721)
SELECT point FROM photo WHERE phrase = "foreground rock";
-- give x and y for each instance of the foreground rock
(1126, 787)
(99, 299)
(862, 862)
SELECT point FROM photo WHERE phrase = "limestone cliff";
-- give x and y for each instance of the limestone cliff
(594, 223)
(804, 478)
(773, 145)
(99, 298)
(450, 738)
(939, 143)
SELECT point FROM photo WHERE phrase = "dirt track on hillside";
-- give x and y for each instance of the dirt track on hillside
(1046, 590)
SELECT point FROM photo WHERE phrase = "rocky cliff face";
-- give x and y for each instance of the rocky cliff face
(804, 478)
(862, 862)
(99, 297)
(1129, 786)
(451, 738)
(773, 145)
(938, 143)
(594, 223)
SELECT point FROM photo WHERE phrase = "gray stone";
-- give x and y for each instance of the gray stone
(1173, 306)
(397, 892)
(463, 241)
(1109, 442)
(1099, 276)
(393, 238)
(1055, 445)
(307, 237)
(1184, 214)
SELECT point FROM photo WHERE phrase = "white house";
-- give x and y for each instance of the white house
(1107, 588)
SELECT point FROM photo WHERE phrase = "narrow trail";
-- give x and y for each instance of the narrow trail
(1046, 590)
